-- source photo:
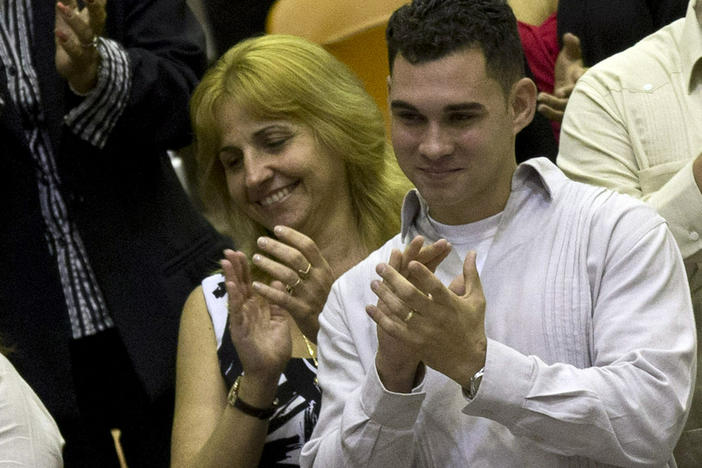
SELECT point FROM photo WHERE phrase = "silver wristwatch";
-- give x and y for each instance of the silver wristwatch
(475, 383)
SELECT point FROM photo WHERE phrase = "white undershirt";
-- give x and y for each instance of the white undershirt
(476, 236)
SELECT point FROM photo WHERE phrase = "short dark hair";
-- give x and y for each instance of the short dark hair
(427, 30)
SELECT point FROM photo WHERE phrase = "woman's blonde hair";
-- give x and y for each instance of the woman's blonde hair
(280, 77)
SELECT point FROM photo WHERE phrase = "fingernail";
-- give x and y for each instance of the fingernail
(256, 285)
(261, 241)
(375, 284)
(380, 269)
(256, 258)
(278, 230)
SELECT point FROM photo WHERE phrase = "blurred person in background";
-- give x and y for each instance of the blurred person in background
(99, 244)
(634, 125)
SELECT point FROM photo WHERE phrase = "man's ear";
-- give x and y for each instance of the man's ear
(523, 103)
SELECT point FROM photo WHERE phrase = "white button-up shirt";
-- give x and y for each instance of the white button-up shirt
(590, 355)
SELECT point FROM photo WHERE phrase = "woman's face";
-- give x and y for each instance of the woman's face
(277, 173)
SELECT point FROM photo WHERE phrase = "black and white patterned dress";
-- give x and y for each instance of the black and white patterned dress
(298, 394)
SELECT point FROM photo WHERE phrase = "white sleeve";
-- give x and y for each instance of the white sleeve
(630, 406)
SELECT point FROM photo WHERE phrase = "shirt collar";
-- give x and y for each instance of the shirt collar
(691, 47)
(537, 174)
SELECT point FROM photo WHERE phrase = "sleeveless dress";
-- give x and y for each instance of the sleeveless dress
(298, 394)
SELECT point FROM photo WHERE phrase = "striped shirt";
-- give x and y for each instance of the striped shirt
(92, 121)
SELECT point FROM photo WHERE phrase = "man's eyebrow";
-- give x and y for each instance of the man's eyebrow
(463, 106)
(397, 104)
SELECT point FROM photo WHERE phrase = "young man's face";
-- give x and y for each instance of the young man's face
(453, 132)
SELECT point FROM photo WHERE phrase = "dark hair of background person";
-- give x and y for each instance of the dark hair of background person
(427, 30)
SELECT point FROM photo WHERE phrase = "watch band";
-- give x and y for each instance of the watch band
(236, 402)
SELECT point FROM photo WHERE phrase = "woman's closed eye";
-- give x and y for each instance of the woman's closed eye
(274, 138)
(275, 144)
(231, 160)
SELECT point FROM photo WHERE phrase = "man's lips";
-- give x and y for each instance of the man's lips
(438, 170)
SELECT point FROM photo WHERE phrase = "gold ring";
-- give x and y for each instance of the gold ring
(306, 271)
(90, 45)
(409, 315)
(291, 288)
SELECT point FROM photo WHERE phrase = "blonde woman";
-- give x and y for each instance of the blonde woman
(298, 170)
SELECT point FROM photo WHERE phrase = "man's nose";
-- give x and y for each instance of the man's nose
(436, 142)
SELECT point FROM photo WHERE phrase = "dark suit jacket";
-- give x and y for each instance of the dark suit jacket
(606, 27)
(147, 244)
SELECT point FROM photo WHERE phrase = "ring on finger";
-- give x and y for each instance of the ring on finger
(90, 45)
(291, 288)
(304, 273)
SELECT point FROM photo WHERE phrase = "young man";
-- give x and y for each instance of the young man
(568, 339)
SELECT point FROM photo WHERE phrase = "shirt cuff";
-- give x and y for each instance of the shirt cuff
(95, 117)
(679, 201)
(506, 382)
(390, 409)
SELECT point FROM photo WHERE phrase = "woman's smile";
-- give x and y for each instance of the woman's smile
(277, 195)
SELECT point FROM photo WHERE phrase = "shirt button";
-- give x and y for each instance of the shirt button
(693, 236)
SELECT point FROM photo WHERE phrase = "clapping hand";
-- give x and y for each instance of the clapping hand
(295, 260)
(396, 363)
(440, 326)
(76, 33)
(259, 330)
(569, 68)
